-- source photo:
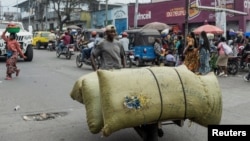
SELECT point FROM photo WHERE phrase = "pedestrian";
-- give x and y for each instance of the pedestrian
(204, 54)
(222, 58)
(170, 59)
(125, 41)
(13, 51)
(158, 51)
(191, 54)
(179, 47)
(110, 51)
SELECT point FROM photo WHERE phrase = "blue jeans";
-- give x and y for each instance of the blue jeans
(61, 46)
(86, 53)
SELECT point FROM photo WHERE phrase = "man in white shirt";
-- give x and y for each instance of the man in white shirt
(125, 41)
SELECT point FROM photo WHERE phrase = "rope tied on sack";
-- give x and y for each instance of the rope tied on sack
(184, 93)
(160, 93)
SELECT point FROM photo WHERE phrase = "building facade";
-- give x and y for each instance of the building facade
(173, 13)
(117, 16)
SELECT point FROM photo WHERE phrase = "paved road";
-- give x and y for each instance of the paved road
(44, 86)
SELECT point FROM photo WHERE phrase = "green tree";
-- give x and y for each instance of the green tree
(63, 8)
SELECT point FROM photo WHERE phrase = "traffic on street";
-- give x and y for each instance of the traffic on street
(37, 106)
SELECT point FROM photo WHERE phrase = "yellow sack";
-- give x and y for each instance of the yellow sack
(76, 92)
(91, 96)
(132, 97)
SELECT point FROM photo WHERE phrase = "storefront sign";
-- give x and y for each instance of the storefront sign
(176, 12)
(144, 16)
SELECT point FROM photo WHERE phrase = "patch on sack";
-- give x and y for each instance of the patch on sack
(135, 102)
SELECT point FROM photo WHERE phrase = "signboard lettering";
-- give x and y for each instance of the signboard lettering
(144, 16)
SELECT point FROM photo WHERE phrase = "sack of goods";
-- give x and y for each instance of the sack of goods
(228, 50)
(119, 99)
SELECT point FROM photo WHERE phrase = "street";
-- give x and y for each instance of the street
(44, 86)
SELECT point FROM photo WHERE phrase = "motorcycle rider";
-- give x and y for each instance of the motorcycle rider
(52, 38)
(86, 51)
(66, 40)
(244, 54)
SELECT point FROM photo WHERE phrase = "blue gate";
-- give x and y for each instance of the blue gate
(121, 25)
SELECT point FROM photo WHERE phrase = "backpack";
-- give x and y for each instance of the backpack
(227, 49)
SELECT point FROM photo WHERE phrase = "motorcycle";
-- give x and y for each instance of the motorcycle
(129, 58)
(233, 65)
(246, 61)
(80, 61)
(67, 51)
(51, 45)
(247, 76)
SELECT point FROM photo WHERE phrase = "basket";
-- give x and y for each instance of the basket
(13, 29)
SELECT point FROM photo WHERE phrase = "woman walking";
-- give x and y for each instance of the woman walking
(222, 59)
(204, 53)
(13, 50)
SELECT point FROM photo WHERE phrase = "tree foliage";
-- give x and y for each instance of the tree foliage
(63, 8)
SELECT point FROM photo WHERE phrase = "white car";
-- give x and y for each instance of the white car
(23, 37)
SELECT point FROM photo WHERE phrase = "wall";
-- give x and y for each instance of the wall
(120, 18)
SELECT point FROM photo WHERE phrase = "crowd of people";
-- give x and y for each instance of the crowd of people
(201, 53)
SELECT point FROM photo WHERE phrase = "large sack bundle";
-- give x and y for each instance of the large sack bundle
(86, 91)
(76, 92)
(132, 97)
(91, 96)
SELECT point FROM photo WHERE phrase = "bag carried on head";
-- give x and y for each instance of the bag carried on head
(227, 49)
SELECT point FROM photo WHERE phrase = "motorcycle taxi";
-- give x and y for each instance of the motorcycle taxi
(141, 41)
(67, 51)
(87, 44)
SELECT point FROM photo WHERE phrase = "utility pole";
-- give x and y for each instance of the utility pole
(17, 10)
(29, 12)
(186, 20)
(106, 21)
(136, 14)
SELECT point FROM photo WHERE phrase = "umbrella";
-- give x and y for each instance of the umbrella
(208, 29)
(156, 25)
(73, 27)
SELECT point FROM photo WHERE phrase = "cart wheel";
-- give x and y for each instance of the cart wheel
(148, 132)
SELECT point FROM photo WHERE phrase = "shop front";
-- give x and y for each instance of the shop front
(173, 13)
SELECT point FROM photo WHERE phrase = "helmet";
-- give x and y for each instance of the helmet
(124, 34)
(93, 33)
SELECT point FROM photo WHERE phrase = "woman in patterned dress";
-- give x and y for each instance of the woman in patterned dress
(191, 55)
(13, 51)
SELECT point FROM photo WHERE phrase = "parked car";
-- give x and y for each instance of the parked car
(40, 38)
